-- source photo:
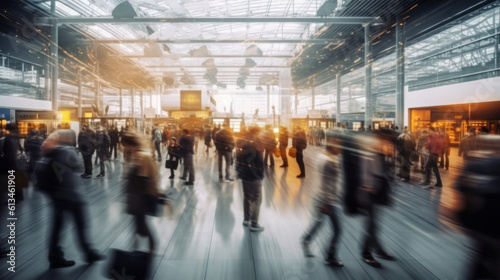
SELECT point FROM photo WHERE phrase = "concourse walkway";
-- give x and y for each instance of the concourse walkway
(201, 235)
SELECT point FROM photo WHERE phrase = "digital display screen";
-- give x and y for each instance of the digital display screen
(190, 100)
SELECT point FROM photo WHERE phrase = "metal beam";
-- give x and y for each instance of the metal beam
(368, 79)
(174, 56)
(54, 53)
(224, 66)
(142, 20)
(214, 41)
(400, 72)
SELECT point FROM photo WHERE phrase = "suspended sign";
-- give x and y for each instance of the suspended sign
(190, 100)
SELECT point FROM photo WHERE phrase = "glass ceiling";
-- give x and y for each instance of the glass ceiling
(207, 31)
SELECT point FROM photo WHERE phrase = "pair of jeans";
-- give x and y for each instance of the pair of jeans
(370, 240)
(300, 161)
(102, 159)
(405, 166)
(445, 158)
(227, 158)
(158, 150)
(77, 210)
(432, 166)
(269, 153)
(252, 198)
(87, 161)
(318, 220)
(188, 168)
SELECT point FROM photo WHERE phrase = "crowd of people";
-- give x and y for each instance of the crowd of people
(365, 161)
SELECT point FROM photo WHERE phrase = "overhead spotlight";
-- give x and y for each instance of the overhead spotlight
(249, 63)
(124, 10)
(221, 85)
(152, 49)
(327, 8)
(244, 72)
(240, 82)
(200, 52)
(168, 81)
(212, 71)
(253, 50)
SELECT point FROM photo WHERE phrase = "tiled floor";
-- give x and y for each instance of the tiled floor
(201, 237)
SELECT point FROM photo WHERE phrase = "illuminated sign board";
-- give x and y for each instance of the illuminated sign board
(190, 100)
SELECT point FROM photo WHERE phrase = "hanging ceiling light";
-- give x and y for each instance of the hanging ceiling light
(253, 50)
(249, 63)
(124, 10)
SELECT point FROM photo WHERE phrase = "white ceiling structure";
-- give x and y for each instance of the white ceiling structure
(176, 57)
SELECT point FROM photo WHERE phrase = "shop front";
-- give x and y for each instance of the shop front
(45, 122)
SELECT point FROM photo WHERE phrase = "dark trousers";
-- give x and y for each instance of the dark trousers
(158, 150)
(283, 156)
(318, 221)
(405, 166)
(423, 161)
(87, 161)
(227, 158)
(188, 168)
(300, 161)
(445, 158)
(252, 198)
(113, 147)
(269, 153)
(102, 158)
(432, 166)
(77, 210)
(370, 240)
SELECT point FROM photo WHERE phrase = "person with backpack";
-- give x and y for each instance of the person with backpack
(55, 175)
(327, 201)
(187, 151)
(224, 143)
(174, 154)
(103, 144)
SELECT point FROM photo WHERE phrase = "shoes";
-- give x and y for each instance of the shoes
(246, 223)
(272, 165)
(385, 256)
(301, 176)
(283, 165)
(183, 178)
(189, 184)
(425, 183)
(306, 249)
(100, 176)
(429, 188)
(368, 258)
(62, 262)
(256, 228)
(93, 256)
(405, 180)
(333, 262)
(229, 179)
(438, 185)
(87, 176)
(83, 174)
(171, 177)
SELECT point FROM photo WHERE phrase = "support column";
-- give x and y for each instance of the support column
(267, 103)
(400, 72)
(80, 115)
(296, 101)
(97, 82)
(339, 92)
(132, 94)
(48, 75)
(55, 58)
(121, 103)
(313, 98)
(142, 104)
(368, 78)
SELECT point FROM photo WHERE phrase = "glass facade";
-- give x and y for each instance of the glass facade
(22, 79)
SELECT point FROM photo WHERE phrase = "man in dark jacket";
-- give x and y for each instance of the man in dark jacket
(434, 145)
(86, 145)
(224, 143)
(187, 151)
(250, 169)
(405, 149)
(103, 144)
(283, 145)
(114, 137)
(33, 146)
(207, 140)
(270, 145)
(300, 143)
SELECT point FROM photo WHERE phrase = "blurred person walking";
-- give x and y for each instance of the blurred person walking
(327, 202)
(405, 148)
(283, 144)
(250, 169)
(103, 144)
(467, 144)
(141, 185)
(434, 145)
(86, 146)
(270, 145)
(187, 150)
(445, 152)
(56, 177)
(300, 143)
(33, 147)
(157, 139)
(174, 154)
(224, 143)
(207, 140)
(114, 138)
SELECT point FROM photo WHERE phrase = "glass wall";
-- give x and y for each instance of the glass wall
(460, 51)
(352, 94)
(22, 79)
(384, 88)
(304, 102)
(325, 97)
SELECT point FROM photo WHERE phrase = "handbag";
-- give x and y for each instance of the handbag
(171, 164)
(133, 265)
(153, 205)
(292, 152)
(277, 152)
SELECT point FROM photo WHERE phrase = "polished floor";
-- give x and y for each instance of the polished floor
(201, 236)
